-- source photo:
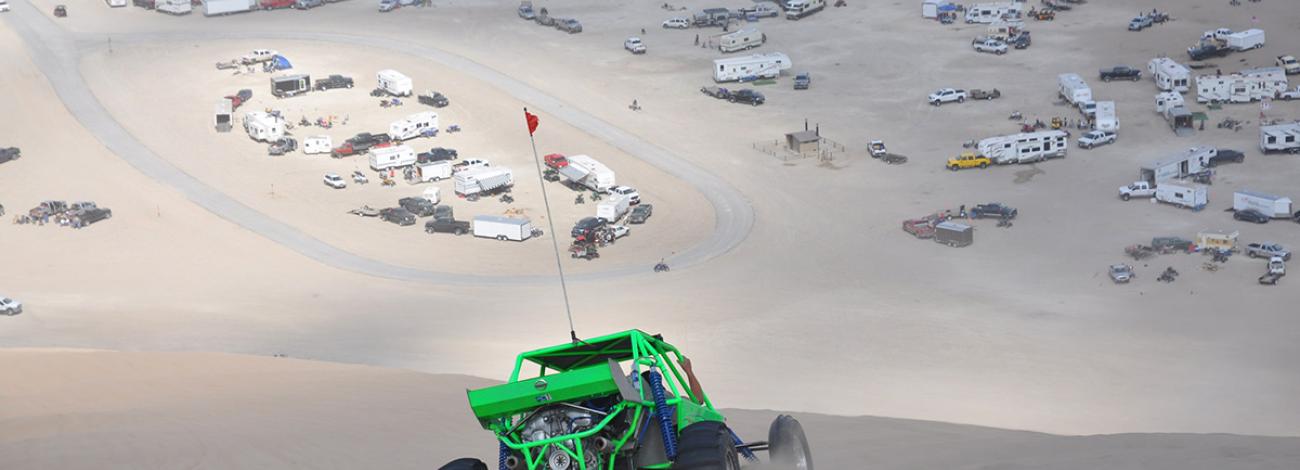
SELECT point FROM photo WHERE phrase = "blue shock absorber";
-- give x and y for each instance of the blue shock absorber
(503, 454)
(665, 417)
(749, 454)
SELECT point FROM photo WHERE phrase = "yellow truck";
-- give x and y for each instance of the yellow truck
(968, 160)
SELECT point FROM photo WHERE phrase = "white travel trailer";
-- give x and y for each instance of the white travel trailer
(1178, 165)
(1280, 138)
(753, 66)
(1105, 119)
(502, 228)
(1192, 196)
(1025, 147)
(613, 208)
(741, 40)
(1073, 89)
(1168, 99)
(263, 127)
(990, 12)
(175, 7)
(226, 7)
(481, 180)
(394, 83)
(435, 171)
(116, 3)
(1277, 207)
(317, 144)
(414, 126)
(585, 171)
(1244, 40)
(1170, 75)
(1242, 87)
(395, 156)
(795, 9)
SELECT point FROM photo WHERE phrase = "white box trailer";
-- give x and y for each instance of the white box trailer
(1244, 40)
(1192, 196)
(1280, 138)
(748, 67)
(930, 9)
(1169, 75)
(175, 7)
(741, 40)
(395, 156)
(414, 126)
(1166, 100)
(263, 127)
(1025, 147)
(394, 83)
(502, 228)
(435, 171)
(1073, 89)
(990, 12)
(613, 208)
(432, 194)
(585, 171)
(317, 144)
(481, 180)
(1178, 165)
(1105, 119)
(1277, 207)
(1242, 87)
(226, 7)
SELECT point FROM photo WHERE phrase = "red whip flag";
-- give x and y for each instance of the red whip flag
(532, 121)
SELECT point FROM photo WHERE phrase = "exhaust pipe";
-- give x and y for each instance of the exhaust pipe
(602, 444)
(513, 462)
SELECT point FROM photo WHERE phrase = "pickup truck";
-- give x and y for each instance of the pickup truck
(360, 143)
(1288, 63)
(1137, 189)
(437, 154)
(1122, 73)
(447, 225)
(947, 95)
(10, 306)
(256, 56)
(747, 96)
(802, 81)
(417, 205)
(968, 159)
(1206, 51)
(634, 45)
(992, 209)
(333, 81)
(397, 215)
(978, 94)
(433, 98)
(1267, 250)
(1092, 139)
(1139, 23)
(1288, 95)
(990, 45)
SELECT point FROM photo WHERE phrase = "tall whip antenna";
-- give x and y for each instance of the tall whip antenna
(532, 121)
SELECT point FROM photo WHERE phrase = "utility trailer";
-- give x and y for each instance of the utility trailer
(503, 228)
(290, 85)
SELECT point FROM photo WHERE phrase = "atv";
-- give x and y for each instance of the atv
(624, 401)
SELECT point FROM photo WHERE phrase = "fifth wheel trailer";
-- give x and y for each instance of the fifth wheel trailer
(1178, 165)
(394, 82)
(414, 126)
(583, 170)
(1280, 138)
(482, 180)
(748, 67)
(1105, 119)
(1277, 207)
(1025, 147)
(226, 7)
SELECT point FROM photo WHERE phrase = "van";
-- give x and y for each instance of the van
(741, 40)
(383, 158)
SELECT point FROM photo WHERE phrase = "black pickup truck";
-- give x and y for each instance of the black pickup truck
(747, 96)
(993, 209)
(1207, 51)
(1121, 73)
(333, 81)
(457, 227)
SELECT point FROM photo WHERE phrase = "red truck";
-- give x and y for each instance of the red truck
(276, 4)
(556, 161)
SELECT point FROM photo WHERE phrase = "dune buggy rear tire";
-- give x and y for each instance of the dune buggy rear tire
(787, 445)
(706, 445)
(467, 463)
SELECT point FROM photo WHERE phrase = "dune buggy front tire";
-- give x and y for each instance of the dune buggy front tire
(467, 463)
(706, 445)
(788, 447)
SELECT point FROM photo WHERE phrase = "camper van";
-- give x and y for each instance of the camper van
(414, 126)
(1242, 87)
(290, 85)
(1280, 138)
(317, 144)
(750, 67)
(1073, 89)
(1025, 147)
(1178, 165)
(795, 9)
(1169, 75)
(383, 158)
(394, 83)
(482, 180)
(741, 40)
(263, 127)
(990, 12)
(1105, 119)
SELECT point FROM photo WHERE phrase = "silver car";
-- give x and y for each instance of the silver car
(10, 306)
(1121, 273)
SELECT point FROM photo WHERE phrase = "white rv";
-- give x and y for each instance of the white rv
(613, 208)
(1105, 119)
(394, 83)
(435, 171)
(585, 171)
(263, 127)
(1179, 165)
(116, 3)
(481, 180)
(1169, 75)
(317, 144)
(1073, 89)
(175, 7)
(1167, 100)
(1242, 87)
(1244, 40)
(502, 228)
(1280, 138)
(226, 7)
(395, 156)
(741, 40)
(795, 9)
(1277, 207)
(753, 66)
(1192, 196)
(990, 12)
(414, 126)
(1025, 147)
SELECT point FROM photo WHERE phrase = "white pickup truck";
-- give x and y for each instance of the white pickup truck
(634, 45)
(1137, 189)
(1288, 95)
(947, 95)
(257, 56)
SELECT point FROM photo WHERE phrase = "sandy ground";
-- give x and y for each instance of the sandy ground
(827, 304)
(174, 410)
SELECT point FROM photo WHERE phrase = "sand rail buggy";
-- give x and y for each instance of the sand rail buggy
(624, 401)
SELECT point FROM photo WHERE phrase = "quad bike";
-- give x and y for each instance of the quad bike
(661, 267)
(359, 178)
(624, 401)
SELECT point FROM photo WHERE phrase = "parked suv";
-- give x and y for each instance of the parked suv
(333, 81)
(335, 181)
(570, 26)
(1250, 215)
(802, 81)
(634, 45)
(1225, 156)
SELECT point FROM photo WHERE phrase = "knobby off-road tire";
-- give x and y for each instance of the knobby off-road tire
(788, 445)
(465, 464)
(706, 445)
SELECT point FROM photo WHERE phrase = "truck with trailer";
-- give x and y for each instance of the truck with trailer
(1025, 147)
(750, 67)
(264, 127)
(585, 171)
(1105, 119)
(1073, 89)
(796, 9)
(290, 85)
(394, 82)
(741, 40)
(1280, 138)
(396, 156)
(1170, 75)
(1275, 207)
(483, 180)
(415, 125)
(226, 7)
(503, 228)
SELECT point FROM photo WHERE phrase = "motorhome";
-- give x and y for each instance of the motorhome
(1170, 75)
(502, 228)
(796, 9)
(1178, 165)
(482, 180)
(1242, 87)
(226, 7)
(585, 171)
(290, 85)
(741, 40)
(990, 12)
(396, 156)
(1073, 89)
(1105, 119)
(175, 7)
(1276, 207)
(1280, 138)
(414, 126)
(317, 144)
(394, 83)
(750, 67)
(263, 127)
(1025, 147)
